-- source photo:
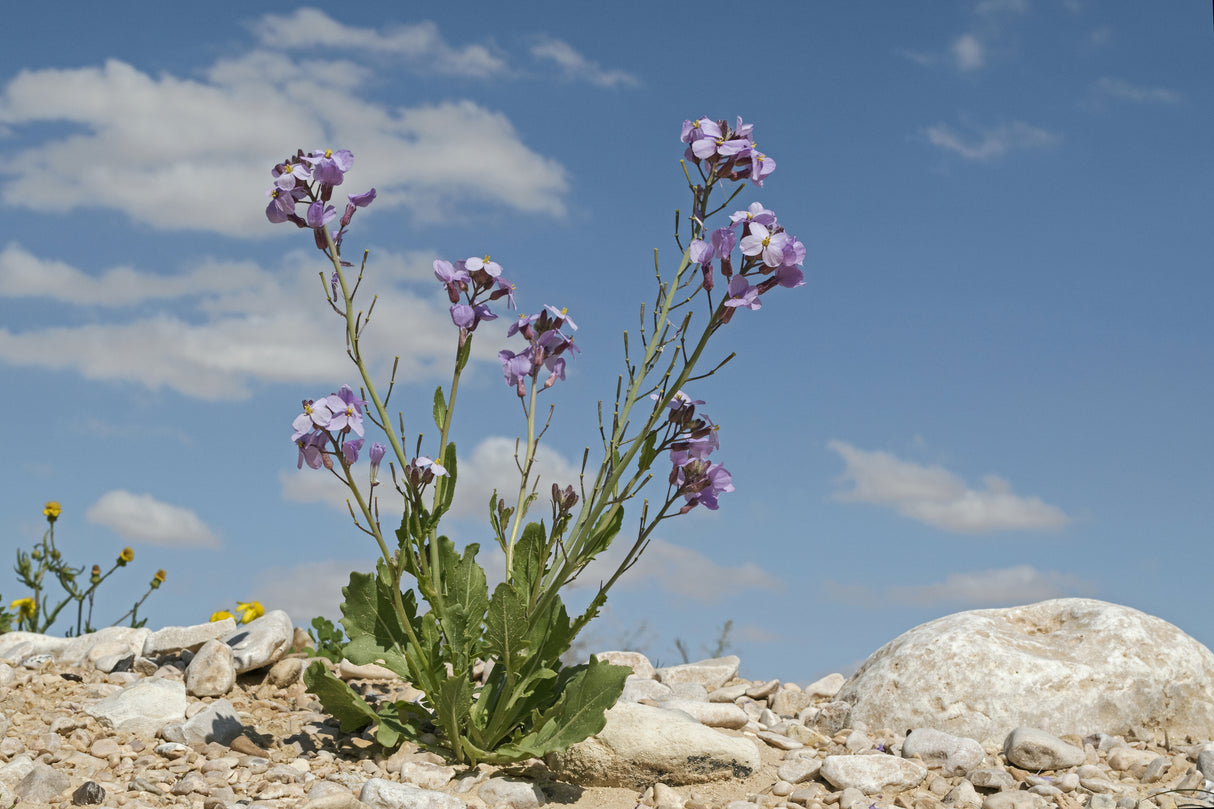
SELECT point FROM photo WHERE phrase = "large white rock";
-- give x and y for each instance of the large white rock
(641, 745)
(1069, 666)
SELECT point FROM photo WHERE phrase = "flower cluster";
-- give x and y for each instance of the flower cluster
(328, 422)
(766, 250)
(470, 284)
(546, 343)
(692, 475)
(310, 178)
(728, 153)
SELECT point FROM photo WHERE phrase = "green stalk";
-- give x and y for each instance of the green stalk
(524, 478)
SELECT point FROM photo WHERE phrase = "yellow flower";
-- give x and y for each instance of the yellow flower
(127, 555)
(249, 610)
(51, 510)
(221, 615)
(157, 579)
(25, 607)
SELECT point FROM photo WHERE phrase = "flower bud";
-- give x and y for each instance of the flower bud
(51, 510)
(95, 577)
(127, 555)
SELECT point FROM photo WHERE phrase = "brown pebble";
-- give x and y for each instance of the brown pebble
(243, 744)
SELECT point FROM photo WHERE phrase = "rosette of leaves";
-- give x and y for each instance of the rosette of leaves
(530, 704)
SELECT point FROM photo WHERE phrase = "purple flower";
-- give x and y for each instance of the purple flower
(362, 200)
(556, 370)
(469, 316)
(329, 167)
(347, 411)
(311, 450)
(316, 415)
(701, 252)
(515, 367)
(755, 213)
(320, 214)
(427, 464)
(741, 293)
(763, 242)
(349, 450)
(492, 267)
(288, 175)
(724, 240)
(560, 317)
(376, 454)
(282, 204)
(523, 324)
(503, 289)
(700, 482)
(760, 166)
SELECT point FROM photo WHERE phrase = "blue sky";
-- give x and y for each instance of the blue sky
(995, 386)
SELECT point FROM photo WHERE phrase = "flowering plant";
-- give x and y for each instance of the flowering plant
(489, 664)
(34, 613)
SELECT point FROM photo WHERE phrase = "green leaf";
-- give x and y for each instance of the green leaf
(466, 598)
(446, 483)
(339, 699)
(530, 557)
(451, 706)
(589, 690)
(370, 619)
(440, 408)
(648, 451)
(506, 627)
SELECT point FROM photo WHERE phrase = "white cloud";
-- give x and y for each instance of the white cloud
(675, 569)
(247, 325)
(420, 44)
(991, 143)
(143, 518)
(968, 53)
(1120, 88)
(575, 66)
(307, 590)
(1022, 584)
(25, 275)
(1000, 587)
(935, 496)
(183, 154)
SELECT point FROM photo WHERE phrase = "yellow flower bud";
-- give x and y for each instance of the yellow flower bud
(221, 615)
(127, 555)
(157, 579)
(249, 610)
(51, 511)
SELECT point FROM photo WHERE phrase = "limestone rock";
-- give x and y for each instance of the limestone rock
(212, 672)
(954, 755)
(384, 794)
(42, 784)
(712, 714)
(217, 722)
(639, 663)
(873, 774)
(143, 707)
(262, 641)
(1090, 666)
(641, 744)
(1035, 749)
(173, 639)
(712, 673)
(510, 793)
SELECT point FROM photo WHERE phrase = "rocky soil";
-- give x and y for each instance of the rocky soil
(777, 745)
